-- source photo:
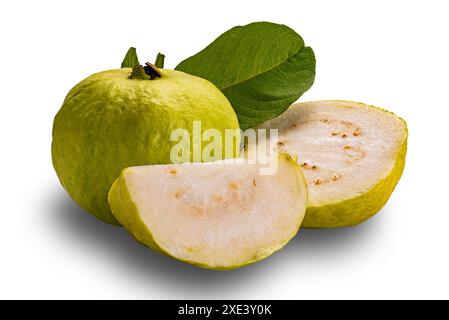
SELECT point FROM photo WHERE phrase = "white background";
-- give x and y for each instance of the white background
(393, 54)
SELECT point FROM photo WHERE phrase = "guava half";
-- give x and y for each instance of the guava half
(352, 156)
(109, 122)
(214, 215)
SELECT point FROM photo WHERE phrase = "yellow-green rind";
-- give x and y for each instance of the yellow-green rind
(109, 122)
(356, 210)
(126, 212)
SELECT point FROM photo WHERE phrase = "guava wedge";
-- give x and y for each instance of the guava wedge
(110, 121)
(352, 156)
(214, 215)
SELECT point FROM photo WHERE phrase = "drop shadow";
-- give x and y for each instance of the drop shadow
(79, 227)
(342, 238)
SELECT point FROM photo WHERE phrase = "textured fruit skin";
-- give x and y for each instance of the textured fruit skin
(126, 212)
(357, 210)
(109, 122)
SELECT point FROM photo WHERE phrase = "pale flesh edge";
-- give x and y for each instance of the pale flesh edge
(352, 156)
(215, 215)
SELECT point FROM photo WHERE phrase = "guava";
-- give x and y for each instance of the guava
(112, 120)
(352, 156)
(216, 215)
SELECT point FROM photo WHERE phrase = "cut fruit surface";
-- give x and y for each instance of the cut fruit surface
(352, 156)
(216, 215)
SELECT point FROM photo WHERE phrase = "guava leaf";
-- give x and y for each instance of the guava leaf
(130, 59)
(261, 68)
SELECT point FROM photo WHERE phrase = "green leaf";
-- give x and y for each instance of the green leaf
(160, 58)
(130, 59)
(261, 68)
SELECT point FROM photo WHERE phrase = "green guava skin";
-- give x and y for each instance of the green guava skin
(109, 122)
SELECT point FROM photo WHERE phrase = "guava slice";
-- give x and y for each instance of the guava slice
(352, 156)
(214, 215)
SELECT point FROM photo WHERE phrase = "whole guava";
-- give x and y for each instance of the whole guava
(111, 121)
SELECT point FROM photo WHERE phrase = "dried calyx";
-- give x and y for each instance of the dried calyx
(147, 72)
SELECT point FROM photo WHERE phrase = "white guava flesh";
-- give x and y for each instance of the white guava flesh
(215, 215)
(352, 156)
